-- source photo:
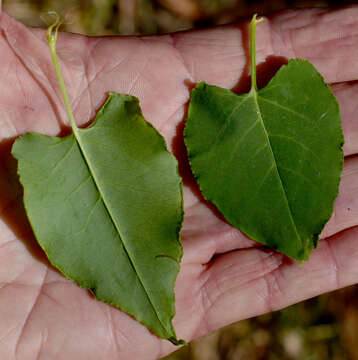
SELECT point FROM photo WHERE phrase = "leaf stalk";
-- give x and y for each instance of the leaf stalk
(253, 24)
(52, 35)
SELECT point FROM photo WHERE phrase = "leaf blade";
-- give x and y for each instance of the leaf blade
(248, 179)
(144, 284)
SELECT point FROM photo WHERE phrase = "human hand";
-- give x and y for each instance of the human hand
(225, 276)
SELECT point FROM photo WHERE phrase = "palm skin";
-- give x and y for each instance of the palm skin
(225, 276)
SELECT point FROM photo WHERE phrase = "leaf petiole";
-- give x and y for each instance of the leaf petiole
(52, 40)
(253, 23)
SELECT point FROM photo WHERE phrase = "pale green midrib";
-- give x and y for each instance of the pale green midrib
(254, 94)
(52, 40)
(77, 135)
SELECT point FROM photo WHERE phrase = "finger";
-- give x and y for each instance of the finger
(327, 38)
(347, 96)
(205, 233)
(249, 282)
(27, 99)
(345, 214)
(148, 68)
(209, 234)
(33, 100)
(220, 56)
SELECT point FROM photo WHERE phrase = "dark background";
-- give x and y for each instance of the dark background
(322, 328)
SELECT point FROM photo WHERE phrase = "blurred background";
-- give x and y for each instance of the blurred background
(322, 328)
(128, 17)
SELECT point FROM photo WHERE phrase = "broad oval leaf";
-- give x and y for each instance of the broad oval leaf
(270, 160)
(107, 210)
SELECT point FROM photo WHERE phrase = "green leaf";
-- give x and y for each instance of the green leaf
(105, 204)
(270, 160)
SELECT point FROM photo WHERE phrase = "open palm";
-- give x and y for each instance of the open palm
(225, 276)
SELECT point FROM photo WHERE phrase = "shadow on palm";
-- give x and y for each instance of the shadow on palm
(13, 211)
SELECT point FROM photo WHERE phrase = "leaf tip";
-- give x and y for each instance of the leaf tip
(201, 86)
(177, 342)
(52, 39)
(256, 20)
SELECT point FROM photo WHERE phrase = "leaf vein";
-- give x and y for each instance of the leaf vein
(57, 164)
(236, 146)
(85, 225)
(286, 108)
(297, 142)
(78, 187)
(226, 124)
(276, 167)
(269, 170)
(300, 175)
(116, 225)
